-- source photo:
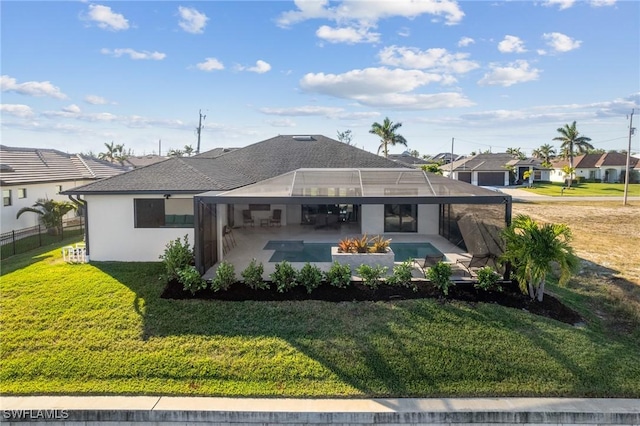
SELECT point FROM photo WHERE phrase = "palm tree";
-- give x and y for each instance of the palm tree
(535, 250)
(516, 153)
(188, 150)
(546, 152)
(51, 213)
(110, 154)
(572, 143)
(388, 135)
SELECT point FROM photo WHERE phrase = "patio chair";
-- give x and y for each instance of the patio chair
(275, 219)
(247, 218)
(430, 260)
(476, 262)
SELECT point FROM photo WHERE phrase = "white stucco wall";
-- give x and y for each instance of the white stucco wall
(112, 235)
(428, 219)
(8, 221)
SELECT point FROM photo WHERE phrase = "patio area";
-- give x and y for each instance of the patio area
(244, 244)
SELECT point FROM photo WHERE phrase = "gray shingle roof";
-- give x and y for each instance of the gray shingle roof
(31, 165)
(482, 162)
(216, 171)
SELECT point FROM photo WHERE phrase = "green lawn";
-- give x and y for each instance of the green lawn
(101, 328)
(585, 189)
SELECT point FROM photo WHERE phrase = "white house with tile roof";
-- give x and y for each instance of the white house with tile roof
(30, 174)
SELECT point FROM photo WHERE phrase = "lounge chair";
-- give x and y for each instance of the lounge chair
(430, 260)
(247, 218)
(476, 262)
(275, 219)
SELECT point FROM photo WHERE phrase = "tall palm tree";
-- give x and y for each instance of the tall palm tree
(51, 213)
(572, 143)
(516, 153)
(546, 152)
(534, 250)
(110, 154)
(388, 136)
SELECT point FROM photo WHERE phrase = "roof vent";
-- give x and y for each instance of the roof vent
(303, 138)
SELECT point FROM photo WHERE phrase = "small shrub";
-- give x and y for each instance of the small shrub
(488, 280)
(379, 244)
(190, 279)
(402, 275)
(310, 276)
(284, 277)
(177, 256)
(225, 276)
(440, 275)
(346, 245)
(339, 275)
(252, 276)
(361, 245)
(372, 275)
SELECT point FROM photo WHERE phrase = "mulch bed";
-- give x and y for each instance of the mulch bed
(511, 297)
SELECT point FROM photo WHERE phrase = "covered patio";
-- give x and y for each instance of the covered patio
(326, 205)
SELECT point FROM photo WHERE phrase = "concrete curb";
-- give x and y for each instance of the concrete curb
(249, 411)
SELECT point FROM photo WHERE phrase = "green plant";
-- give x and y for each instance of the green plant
(310, 276)
(402, 275)
(225, 276)
(252, 276)
(177, 255)
(379, 244)
(346, 245)
(284, 277)
(339, 275)
(371, 275)
(190, 279)
(51, 213)
(440, 275)
(488, 279)
(361, 245)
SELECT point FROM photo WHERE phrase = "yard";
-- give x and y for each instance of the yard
(584, 189)
(101, 328)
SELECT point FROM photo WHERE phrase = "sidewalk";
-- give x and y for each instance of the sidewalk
(252, 411)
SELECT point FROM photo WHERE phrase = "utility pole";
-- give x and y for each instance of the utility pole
(451, 161)
(199, 129)
(160, 147)
(627, 172)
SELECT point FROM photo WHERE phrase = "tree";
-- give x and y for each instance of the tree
(114, 153)
(51, 213)
(414, 153)
(535, 250)
(546, 152)
(432, 168)
(175, 153)
(572, 143)
(516, 153)
(345, 137)
(188, 150)
(388, 136)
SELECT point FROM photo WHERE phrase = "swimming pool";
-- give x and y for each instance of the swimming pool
(299, 251)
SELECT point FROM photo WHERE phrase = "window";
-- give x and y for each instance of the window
(6, 197)
(163, 213)
(58, 189)
(400, 218)
(22, 193)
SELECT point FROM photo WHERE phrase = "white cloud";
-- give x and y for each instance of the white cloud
(562, 4)
(350, 35)
(260, 67)
(191, 20)
(560, 42)
(517, 72)
(368, 81)
(320, 111)
(73, 108)
(285, 122)
(435, 59)
(95, 100)
(404, 32)
(370, 12)
(602, 3)
(106, 18)
(17, 110)
(210, 64)
(465, 41)
(134, 54)
(402, 101)
(31, 88)
(511, 44)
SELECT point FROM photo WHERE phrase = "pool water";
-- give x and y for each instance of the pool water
(299, 251)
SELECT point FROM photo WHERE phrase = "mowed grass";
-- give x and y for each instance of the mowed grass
(101, 328)
(584, 189)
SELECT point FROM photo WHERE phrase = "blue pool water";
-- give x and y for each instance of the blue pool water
(299, 251)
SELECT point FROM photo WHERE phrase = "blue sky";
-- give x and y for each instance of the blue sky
(492, 75)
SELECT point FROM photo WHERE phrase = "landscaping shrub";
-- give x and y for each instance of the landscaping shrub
(177, 256)
(379, 244)
(361, 245)
(225, 276)
(440, 275)
(346, 245)
(252, 276)
(402, 275)
(310, 277)
(372, 275)
(488, 279)
(191, 279)
(284, 277)
(339, 275)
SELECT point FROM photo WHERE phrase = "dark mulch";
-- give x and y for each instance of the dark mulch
(511, 297)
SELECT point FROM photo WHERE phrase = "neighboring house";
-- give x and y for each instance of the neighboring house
(312, 181)
(135, 161)
(609, 167)
(494, 169)
(445, 158)
(30, 174)
(407, 159)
